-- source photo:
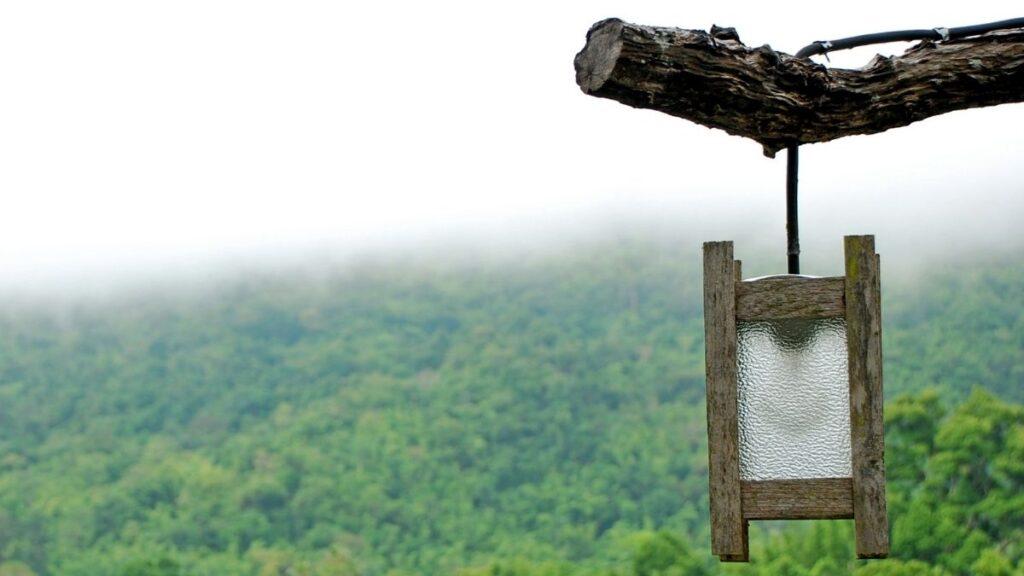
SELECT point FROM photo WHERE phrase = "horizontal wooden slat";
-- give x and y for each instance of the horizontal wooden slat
(778, 297)
(807, 499)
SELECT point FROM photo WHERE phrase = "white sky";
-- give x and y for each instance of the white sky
(143, 134)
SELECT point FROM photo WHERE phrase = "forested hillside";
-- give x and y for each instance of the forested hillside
(533, 416)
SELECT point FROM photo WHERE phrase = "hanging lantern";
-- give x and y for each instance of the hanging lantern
(794, 398)
(794, 363)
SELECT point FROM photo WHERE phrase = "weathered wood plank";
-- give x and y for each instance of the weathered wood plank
(727, 526)
(775, 99)
(807, 499)
(864, 347)
(745, 557)
(778, 297)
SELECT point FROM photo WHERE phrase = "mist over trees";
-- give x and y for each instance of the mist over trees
(544, 417)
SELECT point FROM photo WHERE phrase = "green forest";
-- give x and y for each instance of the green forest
(522, 415)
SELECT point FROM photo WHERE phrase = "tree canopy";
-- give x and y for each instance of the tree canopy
(542, 417)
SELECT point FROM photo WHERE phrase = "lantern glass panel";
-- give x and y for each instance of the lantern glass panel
(794, 399)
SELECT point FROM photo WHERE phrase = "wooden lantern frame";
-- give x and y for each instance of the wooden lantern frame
(856, 298)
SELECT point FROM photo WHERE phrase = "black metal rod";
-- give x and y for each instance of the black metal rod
(792, 225)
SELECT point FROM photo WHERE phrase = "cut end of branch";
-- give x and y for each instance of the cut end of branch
(595, 63)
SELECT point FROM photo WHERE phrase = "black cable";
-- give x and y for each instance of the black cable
(826, 46)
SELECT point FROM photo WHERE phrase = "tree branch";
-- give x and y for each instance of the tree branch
(713, 79)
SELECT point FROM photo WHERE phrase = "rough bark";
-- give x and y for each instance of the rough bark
(713, 79)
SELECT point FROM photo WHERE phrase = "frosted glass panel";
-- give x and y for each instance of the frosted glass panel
(794, 399)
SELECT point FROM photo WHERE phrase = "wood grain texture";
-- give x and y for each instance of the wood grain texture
(779, 297)
(864, 347)
(727, 526)
(713, 79)
(817, 498)
(745, 556)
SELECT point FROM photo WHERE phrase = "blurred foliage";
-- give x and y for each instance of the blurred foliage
(541, 418)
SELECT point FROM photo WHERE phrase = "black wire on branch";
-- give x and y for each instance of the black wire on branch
(826, 46)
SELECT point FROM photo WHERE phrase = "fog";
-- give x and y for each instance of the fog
(149, 143)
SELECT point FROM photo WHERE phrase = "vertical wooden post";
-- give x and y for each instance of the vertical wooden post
(745, 556)
(864, 349)
(728, 529)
